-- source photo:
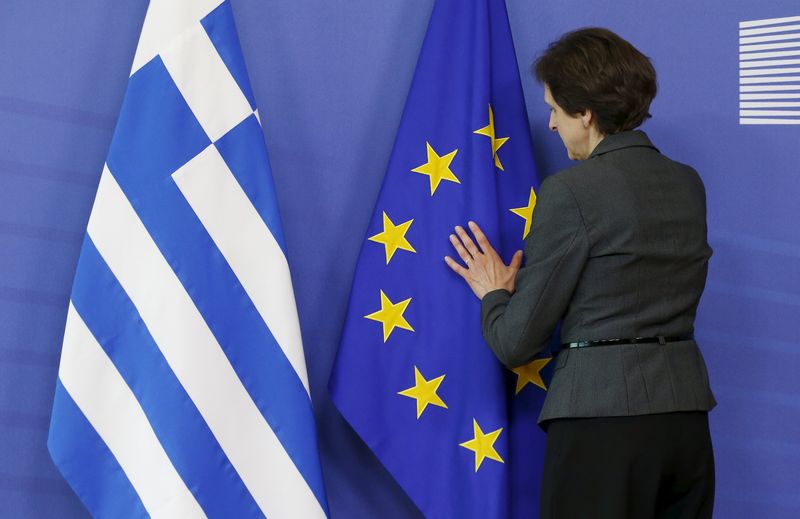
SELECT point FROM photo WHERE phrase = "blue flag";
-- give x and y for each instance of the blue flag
(413, 375)
(182, 389)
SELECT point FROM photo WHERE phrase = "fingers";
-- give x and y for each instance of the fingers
(458, 269)
(483, 241)
(516, 261)
(468, 243)
(463, 253)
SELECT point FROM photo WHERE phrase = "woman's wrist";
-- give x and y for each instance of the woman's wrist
(495, 289)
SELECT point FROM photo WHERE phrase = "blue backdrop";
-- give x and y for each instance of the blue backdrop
(331, 79)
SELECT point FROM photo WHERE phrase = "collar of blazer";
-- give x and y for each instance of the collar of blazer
(618, 141)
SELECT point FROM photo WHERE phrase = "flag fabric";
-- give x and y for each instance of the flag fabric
(413, 375)
(182, 389)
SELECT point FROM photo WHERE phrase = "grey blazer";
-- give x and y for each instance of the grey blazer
(617, 249)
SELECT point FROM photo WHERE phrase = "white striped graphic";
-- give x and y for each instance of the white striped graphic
(768, 121)
(768, 63)
(776, 104)
(743, 113)
(758, 70)
(768, 88)
(769, 46)
(768, 21)
(196, 358)
(771, 71)
(94, 383)
(746, 97)
(165, 20)
(769, 79)
(205, 82)
(768, 30)
(247, 245)
(772, 37)
(765, 55)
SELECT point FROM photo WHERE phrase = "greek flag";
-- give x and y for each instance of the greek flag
(182, 390)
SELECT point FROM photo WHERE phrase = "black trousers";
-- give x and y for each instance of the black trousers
(629, 467)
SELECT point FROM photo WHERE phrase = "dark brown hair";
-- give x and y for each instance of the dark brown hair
(595, 69)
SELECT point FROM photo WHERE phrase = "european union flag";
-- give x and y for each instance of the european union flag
(413, 374)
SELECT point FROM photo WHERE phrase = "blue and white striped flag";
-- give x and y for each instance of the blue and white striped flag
(182, 390)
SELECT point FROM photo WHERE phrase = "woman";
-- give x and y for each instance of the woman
(618, 251)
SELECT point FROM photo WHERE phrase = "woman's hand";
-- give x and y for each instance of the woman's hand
(485, 271)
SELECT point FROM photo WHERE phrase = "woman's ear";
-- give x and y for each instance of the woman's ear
(587, 118)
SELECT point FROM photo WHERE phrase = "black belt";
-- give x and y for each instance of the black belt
(661, 339)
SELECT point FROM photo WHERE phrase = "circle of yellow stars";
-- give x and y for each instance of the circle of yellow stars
(391, 315)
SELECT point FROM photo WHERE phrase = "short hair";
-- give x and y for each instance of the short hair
(593, 68)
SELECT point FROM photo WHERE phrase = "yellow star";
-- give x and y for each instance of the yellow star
(437, 168)
(483, 445)
(526, 213)
(391, 316)
(424, 391)
(393, 237)
(530, 373)
(488, 131)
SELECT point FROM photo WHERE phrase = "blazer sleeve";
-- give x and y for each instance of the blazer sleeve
(516, 326)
